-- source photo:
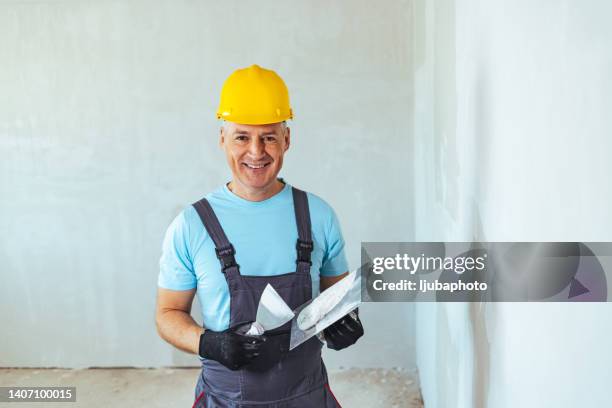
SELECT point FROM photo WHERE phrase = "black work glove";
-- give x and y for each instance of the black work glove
(345, 332)
(229, 348)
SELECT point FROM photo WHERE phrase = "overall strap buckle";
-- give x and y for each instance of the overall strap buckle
(226, 257)
(304, 249)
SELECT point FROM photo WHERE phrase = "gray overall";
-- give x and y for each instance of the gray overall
(277, 378)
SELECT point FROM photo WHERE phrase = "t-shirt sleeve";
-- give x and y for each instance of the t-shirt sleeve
(334, 259)
(175, 265)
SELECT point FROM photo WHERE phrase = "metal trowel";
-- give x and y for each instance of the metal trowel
(272, 312)
(331, 305)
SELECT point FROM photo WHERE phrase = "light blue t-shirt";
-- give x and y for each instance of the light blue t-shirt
(263, 233)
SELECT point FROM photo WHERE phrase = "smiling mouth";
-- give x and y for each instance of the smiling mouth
(255, 166)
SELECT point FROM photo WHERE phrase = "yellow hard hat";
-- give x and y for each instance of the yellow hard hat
(254, 96)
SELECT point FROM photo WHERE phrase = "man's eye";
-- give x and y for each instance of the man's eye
(241, 138)
(270, 139)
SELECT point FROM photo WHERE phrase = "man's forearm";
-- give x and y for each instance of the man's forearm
(179, 329)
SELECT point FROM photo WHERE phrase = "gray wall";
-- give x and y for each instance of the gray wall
(445, 181)
(513, 129)
(107, 130)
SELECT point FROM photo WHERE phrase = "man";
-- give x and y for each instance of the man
(253, 231)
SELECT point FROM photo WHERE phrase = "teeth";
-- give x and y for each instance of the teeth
(254, 166)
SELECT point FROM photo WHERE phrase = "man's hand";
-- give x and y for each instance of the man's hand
(344, 332)
(229, 348)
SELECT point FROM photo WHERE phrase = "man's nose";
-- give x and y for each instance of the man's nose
(256, 147)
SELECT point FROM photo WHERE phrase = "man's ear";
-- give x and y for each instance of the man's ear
(287, 138)
(221, 137)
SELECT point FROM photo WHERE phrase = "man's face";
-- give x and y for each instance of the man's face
(255, 152)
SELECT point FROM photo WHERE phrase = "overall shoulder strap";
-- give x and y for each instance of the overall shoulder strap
(224, 249)
(304, 244)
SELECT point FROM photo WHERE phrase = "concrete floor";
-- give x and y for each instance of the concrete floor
(174, 387)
